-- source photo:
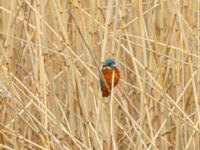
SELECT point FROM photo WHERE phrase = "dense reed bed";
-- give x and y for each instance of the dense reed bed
(50, 52)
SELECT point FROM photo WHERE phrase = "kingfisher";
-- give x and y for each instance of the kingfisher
(108, 69)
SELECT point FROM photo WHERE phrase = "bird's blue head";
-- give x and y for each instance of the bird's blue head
(109, 62)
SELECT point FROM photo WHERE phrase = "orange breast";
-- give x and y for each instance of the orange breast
(107, 73)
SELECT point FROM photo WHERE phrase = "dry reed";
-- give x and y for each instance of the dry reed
(50, 52)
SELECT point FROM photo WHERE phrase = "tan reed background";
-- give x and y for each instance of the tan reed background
(50, 52)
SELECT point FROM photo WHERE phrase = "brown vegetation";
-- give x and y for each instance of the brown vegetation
(50, 52)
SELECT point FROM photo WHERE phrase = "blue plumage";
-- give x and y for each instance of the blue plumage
(109, 62)
(101, 83)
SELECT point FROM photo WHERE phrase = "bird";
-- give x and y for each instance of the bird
(108, 69)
